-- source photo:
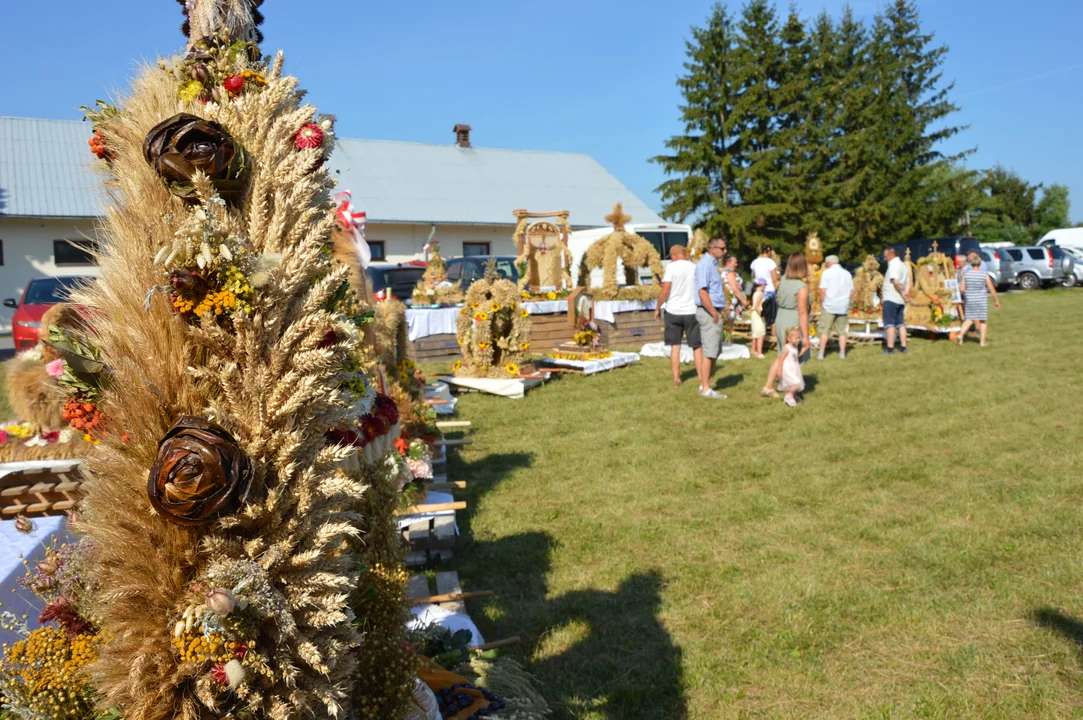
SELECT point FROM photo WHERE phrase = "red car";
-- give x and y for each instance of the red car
(39, 295)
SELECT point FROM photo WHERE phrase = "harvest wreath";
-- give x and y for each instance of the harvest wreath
(493, 330)
(633, 251)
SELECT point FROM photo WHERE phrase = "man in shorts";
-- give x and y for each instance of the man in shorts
(678, 300)
(896, 294)
(710, 304)
(836, 293)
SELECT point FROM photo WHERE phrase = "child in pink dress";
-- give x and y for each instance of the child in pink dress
(791, 380)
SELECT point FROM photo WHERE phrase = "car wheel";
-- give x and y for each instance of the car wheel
(1029, 281)
(1070, 281)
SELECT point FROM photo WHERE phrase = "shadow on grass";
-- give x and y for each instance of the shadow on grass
(481, 476)
(811, 381)
(1055, 620)
(594, 651)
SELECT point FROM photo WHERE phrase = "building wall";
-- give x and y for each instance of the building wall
(28, 247)
(404, 242)
(28, 253)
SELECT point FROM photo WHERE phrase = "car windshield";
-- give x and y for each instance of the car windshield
(505, 268)
(49, 291)
(382, 278)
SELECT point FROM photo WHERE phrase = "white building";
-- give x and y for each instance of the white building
(49, 196)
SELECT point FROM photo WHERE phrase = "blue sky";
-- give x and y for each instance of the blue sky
(591, 76)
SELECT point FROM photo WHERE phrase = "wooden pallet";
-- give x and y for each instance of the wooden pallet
(631, 329)
(38, 491)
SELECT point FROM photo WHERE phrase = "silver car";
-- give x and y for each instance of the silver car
(1037, 267)
(1077, 269)
(999, 265)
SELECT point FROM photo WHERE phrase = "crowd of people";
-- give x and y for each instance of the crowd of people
(693, 305)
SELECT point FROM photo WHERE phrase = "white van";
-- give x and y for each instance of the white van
(662, 237)
(1065, 237)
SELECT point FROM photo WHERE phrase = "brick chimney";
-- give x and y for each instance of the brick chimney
(462, 135)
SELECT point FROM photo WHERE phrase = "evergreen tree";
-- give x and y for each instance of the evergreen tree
(1005, 210)
(703, 157)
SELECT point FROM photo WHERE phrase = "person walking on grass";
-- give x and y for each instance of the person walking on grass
(791, 381)
(678, 299)
(836, 294)
(896, 294)
(793, 312)
(765, 268)
(710, 304)
(732, 282)
(976, 287)
(758, 329)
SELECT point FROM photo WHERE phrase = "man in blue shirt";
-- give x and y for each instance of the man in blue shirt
(710, 302)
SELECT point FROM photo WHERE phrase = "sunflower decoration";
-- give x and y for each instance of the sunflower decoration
(492, 331)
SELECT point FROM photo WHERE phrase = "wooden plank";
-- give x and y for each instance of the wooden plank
(417, 587)
(451, 424)
(453, 597)
(506, 642)
(431, 508)
(447, 583)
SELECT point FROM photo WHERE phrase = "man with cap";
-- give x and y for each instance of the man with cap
(678, 299)
(836, 293)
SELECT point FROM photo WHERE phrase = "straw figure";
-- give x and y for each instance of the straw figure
(243, 554)
(493, 330)
(633, 252)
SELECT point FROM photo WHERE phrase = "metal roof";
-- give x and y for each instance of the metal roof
(47, 170)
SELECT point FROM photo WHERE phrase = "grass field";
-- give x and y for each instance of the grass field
(907, 543)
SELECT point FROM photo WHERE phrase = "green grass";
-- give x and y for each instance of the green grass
(906, 544)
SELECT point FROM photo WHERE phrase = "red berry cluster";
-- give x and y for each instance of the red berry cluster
(99, 148)
(83, 415)
(376, 423)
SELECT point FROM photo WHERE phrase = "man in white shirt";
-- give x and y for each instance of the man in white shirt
(836, 293)
(896, 294)
(678, 299)
(765, 268)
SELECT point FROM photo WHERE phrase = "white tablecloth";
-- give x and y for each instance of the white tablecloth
(606, 309)
(425, 615)
(590, 367)
(424, 322)
(729, 352)
(545, 307)
(15, 547)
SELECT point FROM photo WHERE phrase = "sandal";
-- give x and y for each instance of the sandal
(768, 392)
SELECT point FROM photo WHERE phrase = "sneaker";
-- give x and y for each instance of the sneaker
(842, 356)
(887, 351)
(790, 401)
(820, 356)
(712, 394)
(902, 350)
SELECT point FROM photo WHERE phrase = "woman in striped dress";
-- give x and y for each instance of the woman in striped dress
(976, 286)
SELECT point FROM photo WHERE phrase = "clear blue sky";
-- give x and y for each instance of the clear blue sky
(591, 76)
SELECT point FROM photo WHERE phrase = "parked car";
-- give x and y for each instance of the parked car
(955, 247)
(1077, 269)
(998, 263)
(1040, 266)
(1064, 237)
(393, 281)
(472, 267)
(39, 295)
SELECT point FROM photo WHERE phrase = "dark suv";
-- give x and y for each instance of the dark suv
(395, 281)
(472, 267)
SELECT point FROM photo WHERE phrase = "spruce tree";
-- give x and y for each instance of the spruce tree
(702, 158)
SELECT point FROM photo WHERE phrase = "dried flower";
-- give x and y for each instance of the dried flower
(200, 474)
(23, 524)
(308, 137)
(234, 673)
(180, 146)
(55, 368)
(234, 84)
(221, 601)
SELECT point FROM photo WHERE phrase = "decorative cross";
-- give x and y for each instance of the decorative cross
(936, 245)
(617, 218)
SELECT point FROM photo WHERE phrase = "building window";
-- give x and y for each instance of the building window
(475, 248)
(74, 252)
(379, 252)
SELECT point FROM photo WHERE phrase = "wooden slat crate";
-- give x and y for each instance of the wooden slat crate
(631, 329)
(37, 491)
